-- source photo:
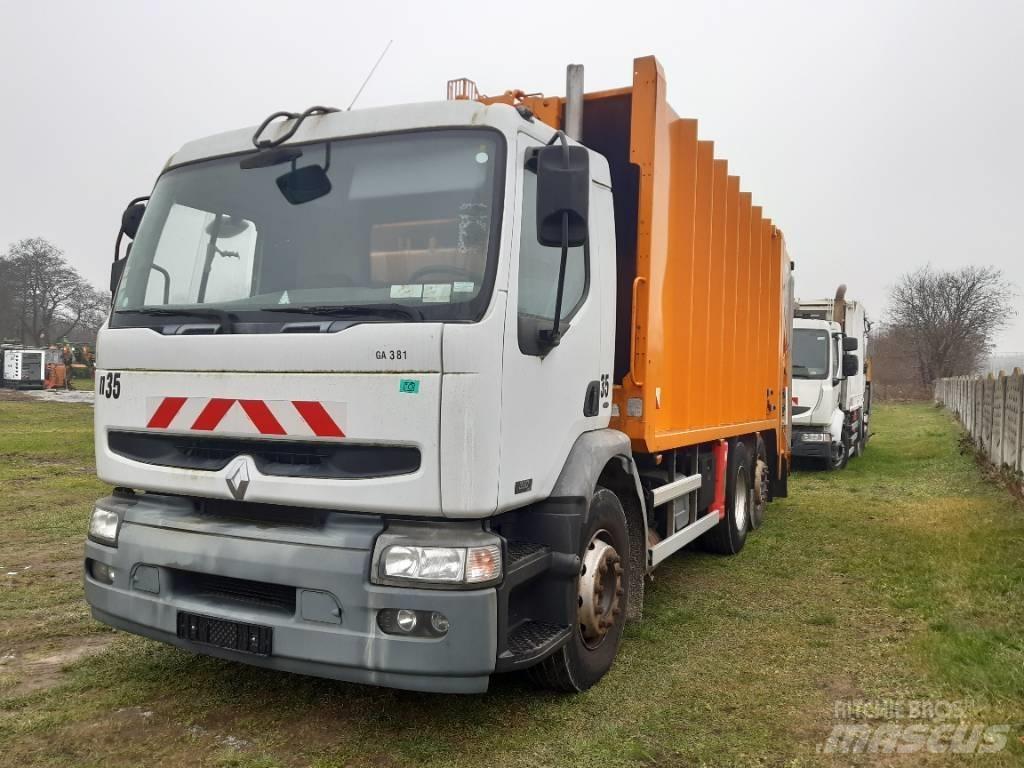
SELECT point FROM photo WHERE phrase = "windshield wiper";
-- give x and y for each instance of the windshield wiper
(342, 310)
(224, 317)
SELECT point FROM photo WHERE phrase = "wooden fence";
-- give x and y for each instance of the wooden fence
(992, 411)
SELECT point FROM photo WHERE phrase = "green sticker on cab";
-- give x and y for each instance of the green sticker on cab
(409, 386)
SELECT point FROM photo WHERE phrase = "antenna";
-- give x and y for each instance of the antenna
(372, 70)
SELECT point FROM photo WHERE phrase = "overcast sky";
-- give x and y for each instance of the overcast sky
(879, 136)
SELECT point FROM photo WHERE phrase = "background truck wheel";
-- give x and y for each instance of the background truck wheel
(761, 486)
(603, 593)
(840, 455)
(729, 536)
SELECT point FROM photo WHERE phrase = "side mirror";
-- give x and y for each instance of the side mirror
(850, 365)
(850, 344)
(563, 195)
(131, 218)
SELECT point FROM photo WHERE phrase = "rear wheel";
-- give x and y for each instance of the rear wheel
(729, 536)
(602, 596)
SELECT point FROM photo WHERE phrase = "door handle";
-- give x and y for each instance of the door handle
(592, 400)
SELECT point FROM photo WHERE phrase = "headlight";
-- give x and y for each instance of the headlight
(441, 565)
(103, 526)
(814, 437)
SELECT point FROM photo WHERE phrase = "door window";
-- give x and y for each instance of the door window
(539, 265)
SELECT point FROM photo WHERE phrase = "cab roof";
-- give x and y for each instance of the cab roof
(378, 120)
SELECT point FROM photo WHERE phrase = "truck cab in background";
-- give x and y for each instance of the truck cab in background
(831, 380)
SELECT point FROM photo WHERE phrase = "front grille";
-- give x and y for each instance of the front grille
(265, 514)
(210, 586)
(283, 458)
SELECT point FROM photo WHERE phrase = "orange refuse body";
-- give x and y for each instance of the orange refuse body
(704, 287)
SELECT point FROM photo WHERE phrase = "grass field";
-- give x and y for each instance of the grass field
(900, 579)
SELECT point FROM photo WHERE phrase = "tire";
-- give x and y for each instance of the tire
(761, 486)
(838, 460)
(585, 658)
(729, 536)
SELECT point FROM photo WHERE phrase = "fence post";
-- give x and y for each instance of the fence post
(998, 419)
(1012, 415)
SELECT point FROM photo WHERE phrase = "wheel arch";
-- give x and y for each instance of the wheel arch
(604, 458)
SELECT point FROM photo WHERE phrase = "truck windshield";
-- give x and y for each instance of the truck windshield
(405, 222)
(810, 353)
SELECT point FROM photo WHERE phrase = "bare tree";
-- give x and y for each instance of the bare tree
(44, 297)
(949, 319)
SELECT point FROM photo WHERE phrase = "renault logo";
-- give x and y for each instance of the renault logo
(238, 478)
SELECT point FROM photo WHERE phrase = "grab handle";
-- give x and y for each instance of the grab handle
(632, 366)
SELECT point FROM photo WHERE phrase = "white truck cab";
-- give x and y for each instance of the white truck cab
(328, 381)
(831, 386)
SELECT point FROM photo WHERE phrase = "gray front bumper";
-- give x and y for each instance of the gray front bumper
(332, 560)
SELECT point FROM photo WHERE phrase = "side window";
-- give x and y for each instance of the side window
(229, 273)
(538, 266)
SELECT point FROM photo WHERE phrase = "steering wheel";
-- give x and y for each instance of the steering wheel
(442, 269)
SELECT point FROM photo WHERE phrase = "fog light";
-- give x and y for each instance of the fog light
(439, 622)
(101, 572)
(406, 620)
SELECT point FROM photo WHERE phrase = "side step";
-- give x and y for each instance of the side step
(680, 539)
(530, 641)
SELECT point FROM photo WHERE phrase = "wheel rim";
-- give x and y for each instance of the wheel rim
(740, 501)
(600, 589)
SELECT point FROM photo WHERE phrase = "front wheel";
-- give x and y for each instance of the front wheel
(839, 454)
(602, 596)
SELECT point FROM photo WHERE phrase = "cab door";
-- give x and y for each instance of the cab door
(552, 395)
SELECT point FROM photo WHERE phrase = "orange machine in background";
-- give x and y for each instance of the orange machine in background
(705, 298)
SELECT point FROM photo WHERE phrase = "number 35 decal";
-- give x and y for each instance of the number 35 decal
(109, 385)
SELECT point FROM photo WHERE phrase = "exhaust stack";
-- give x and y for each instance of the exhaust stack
(839, 306)
(574, 101)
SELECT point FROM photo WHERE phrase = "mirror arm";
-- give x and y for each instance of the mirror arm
(117, 245)
(554, 336)
(167, 281)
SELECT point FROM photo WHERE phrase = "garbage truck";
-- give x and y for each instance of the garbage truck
(416, 395)
(831, 380)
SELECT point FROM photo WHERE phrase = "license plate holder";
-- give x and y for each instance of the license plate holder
(238, 636)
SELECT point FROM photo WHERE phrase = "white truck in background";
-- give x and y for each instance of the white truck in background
(831, 380)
